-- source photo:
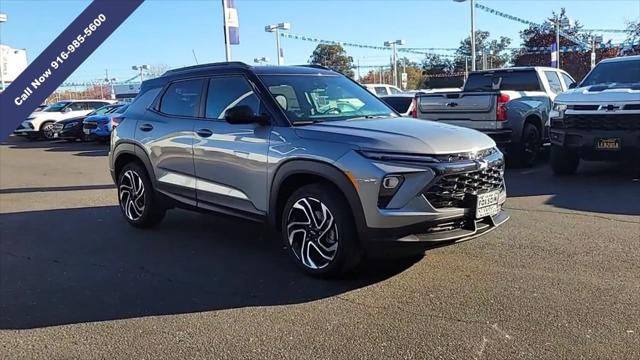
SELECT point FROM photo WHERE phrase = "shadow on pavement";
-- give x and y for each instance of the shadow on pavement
(79, 265)
(81, 148)
(597, 187)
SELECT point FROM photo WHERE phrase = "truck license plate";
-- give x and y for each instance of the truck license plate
(87, 131)
(487, 204)
(612, 144)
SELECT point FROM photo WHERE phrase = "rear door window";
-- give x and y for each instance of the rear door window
(400, 104)
(567, 80)
(182, 98)
(554, 81)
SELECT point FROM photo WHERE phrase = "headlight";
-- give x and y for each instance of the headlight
(31, 118)
(385, 156)
(71, 124)
(557, 111)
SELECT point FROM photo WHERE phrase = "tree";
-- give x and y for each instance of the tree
(156, 70)
(334, 57)
(438, 72)
(495, 51)
(633, 39)
(576, 63)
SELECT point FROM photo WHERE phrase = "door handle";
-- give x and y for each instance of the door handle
(205, 133)
(146, 127)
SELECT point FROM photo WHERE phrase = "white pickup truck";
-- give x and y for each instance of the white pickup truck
(599, 119)
(510, 105)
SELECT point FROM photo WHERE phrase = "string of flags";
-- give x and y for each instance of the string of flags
(361, 46)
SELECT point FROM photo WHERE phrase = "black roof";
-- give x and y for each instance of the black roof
(298, 69)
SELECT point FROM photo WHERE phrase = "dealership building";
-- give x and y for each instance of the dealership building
(12, 63)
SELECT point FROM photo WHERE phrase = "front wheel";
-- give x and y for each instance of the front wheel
(47, 130)
(138, 201)
(319, 232)
(563, 161)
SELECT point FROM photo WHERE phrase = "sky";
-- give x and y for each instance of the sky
(169, 31)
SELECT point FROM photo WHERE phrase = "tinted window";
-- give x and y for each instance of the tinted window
(381, 90)
(513, 80)
(227, 92)
(399, 103)
(78, 106)
(57, 106)
(395, 91)
(554, 81)
(182, 98)
(621, 72)
(567, 80)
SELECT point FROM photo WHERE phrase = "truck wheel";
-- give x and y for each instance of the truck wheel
(530, 146)
(138, 201)
(319, 232)
(563, 161)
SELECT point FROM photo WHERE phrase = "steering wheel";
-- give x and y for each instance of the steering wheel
(347, 107)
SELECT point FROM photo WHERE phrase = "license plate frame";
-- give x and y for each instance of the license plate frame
(608, 144)
(487, 204)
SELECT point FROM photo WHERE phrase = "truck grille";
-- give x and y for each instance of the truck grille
(452, 190)
(599, 122)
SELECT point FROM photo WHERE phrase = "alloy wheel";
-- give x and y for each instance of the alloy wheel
(312, 233)
(132, 195)
(47, 131)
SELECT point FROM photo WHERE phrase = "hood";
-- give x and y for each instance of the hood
(601, 93)
(66, 121)
(98, 118)
(399, 135)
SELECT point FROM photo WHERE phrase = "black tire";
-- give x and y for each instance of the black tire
(145, 209)
(46, 130)
(563, 161)
(337, 240)
(529, 149)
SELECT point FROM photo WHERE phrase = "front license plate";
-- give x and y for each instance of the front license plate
(86, 131)
(55, 135)
(610, 144)
(487, 204)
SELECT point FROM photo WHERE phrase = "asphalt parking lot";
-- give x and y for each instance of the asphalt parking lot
(560, 280)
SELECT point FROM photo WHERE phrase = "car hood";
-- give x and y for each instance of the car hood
(66, 121)
(600, 93)
(399, 135)
(97, 118)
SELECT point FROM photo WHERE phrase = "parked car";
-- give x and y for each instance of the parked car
(40, 107)
(404, 104)
(40, 124)
(71, 129)
(598, 119)
(510, 105)
(288, 145)
(382, 89)
(99, 126)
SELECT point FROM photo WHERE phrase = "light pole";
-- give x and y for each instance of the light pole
(275, 28)
(140, 68)
(472, 3)
(564, 23)
(394, 58)
(3, 19)
(261, 60)
(595, 39)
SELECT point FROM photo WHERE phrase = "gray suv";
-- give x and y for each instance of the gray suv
(332, 168)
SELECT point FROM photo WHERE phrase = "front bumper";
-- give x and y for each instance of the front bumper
(411, 220)
(583, 142)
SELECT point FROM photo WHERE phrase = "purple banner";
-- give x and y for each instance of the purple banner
(233, 23)
(65, 54)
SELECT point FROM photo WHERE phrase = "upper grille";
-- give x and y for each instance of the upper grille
(452, 190)
(599, 122)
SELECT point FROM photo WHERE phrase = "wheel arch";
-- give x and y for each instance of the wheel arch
(127, 152)
(295, 173)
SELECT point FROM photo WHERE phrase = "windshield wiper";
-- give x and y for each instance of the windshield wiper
(306, 122)
(370, 117)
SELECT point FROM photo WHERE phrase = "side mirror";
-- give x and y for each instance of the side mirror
(66, 110)
(573, 85)
(243, 114)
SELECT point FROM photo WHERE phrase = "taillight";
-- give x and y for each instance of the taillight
(115, 121)
(414, 108)
(501, 107)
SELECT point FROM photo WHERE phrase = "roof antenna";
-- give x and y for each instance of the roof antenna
(194, 56)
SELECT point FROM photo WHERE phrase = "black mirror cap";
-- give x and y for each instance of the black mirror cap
(573, 85)
(243, 114)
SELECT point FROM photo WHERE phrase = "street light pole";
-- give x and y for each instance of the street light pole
(394, 58)
(558, 43)
(472, 38)
(275, 28)
(140, 68)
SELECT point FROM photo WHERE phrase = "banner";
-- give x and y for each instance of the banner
(65, 54)
(232, 22)
(554, 55)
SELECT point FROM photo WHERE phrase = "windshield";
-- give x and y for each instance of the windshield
(102, 110)
(120, 109)
(315, 98)
(620, 72)
(57, 106)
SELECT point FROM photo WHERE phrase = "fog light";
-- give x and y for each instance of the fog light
(391, 181)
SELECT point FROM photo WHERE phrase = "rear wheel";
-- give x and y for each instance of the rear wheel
(138, 201)
(563, 161)
(530, 147)
(319, 232)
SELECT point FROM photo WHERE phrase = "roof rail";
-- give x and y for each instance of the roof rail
(316, 66)
(204, 66)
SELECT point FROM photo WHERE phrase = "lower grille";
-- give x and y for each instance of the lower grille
(599, 122)
(58, 127)
(452, 190)
(89, 126)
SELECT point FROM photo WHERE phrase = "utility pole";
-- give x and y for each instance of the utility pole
(358, 68)
(557, 43)
(227, 44)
